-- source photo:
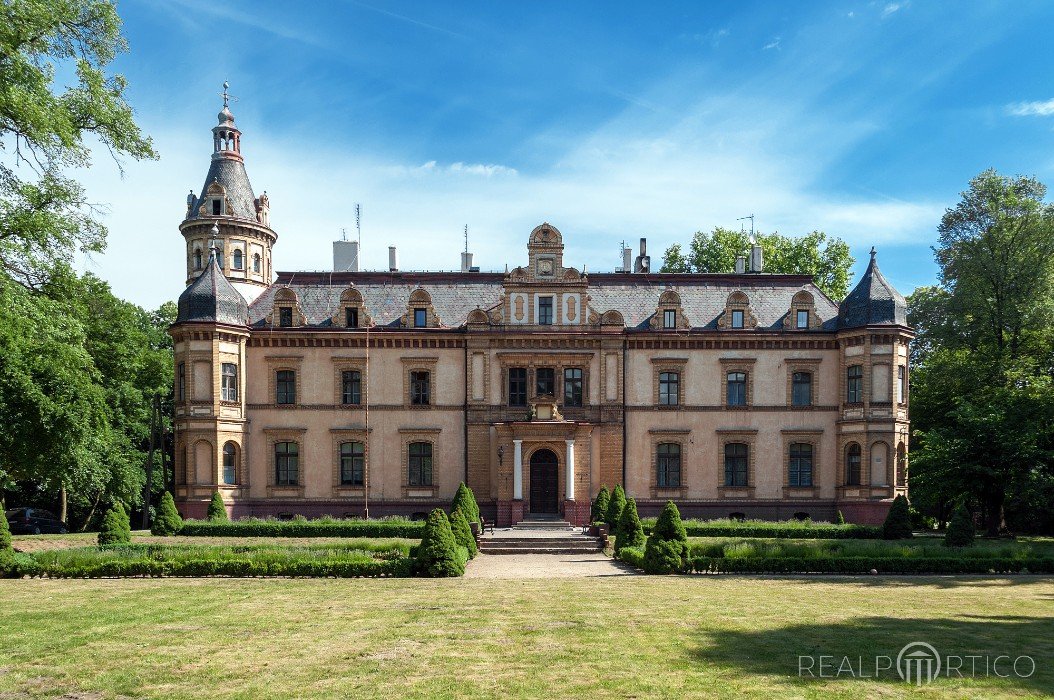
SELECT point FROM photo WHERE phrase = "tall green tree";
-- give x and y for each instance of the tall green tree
(826, 259)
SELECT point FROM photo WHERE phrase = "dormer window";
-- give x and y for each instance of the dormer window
(803, 319)
(669, 318)
(216, 205)
(285, 316)
(420, 318)
(737, 318)
(237, 260)
(419, 312)
(351, 317)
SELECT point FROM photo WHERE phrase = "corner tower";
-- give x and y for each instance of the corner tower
(228, 216)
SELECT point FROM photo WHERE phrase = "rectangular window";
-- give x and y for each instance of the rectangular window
(669, 318)
(420, 318)
(545, 311)
(229, 382)
(669, 388)
(351, 387)
(852, 465)
(737, 318)
(351, 317)
(285, 387)
(256, 263)
(420, 388)
(181, 382)
(286, 464)
(803, 319)
(285, 316)
(352, 463)
(573, 387)
(801, 389)
(545, 381)
(737, 389)
(420, 464)
(854, 384)
(736, 464)
(517, 386)
(668, 465)
(800, 467)
(901, 384)
(217, 207)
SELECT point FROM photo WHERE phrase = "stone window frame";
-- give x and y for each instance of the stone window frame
(275, 363)
(737, 364)
(558, 362)
(339, 436)
(507, 387)
(749, 437)
(342, 364)
(869, 369)
(410, 435)
(843, 460)
(737, 301)
(192, 358)
(669, 364)
(420, 364)
(419, 299)
(239, 474)
(669, 300)
(864, 379)
(678, 436)
(351, 298)
(223, 382)
(275, 436)
(889, 460)
(802, 301)
(809, 436)
(285, 297)
(803, 364)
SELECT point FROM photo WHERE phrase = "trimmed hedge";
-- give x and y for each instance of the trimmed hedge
(864, 565)
(304, 528)
(778, 530)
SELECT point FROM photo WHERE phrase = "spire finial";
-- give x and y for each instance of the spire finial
(873, 254)
(226, 97)
(214, 241)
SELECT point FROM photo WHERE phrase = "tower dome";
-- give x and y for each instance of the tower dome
(212, 299)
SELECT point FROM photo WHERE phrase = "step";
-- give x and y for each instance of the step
(543, 525)
(540, 542)
(539, 550)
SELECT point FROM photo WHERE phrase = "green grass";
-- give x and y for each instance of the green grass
(664, 637)
(742, 548)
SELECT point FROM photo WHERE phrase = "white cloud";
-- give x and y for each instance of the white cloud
(890, 8)
(774, 44)
(1032, 109)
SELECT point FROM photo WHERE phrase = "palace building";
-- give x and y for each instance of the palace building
(326, 392)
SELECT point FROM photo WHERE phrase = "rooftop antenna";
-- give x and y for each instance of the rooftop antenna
(751, 217)
(466, 238)
(343, 233)
(358, 223)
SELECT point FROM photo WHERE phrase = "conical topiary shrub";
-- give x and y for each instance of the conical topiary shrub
(115, 526)
(630, 531)
(5, 532)
(599, 509)
(666, 551)
(462, 532)
(217, 510)
(437, 554)
(898, 521)
(615, 506)
(167, 520)
(961, 530)
(839, 519)
(465, 501)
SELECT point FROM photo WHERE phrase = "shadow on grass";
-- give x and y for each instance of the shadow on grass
(913, 580)
(854, 646)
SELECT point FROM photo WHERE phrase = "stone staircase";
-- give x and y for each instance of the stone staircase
(539, 536)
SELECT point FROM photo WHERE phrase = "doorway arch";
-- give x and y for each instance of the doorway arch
(544, 482)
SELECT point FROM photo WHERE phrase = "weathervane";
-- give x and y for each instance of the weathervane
(227, 97)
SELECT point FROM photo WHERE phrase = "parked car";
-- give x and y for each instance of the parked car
(34, 521)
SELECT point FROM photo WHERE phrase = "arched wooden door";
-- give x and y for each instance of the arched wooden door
(544, 482)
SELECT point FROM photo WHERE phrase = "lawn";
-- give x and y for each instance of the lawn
(40, 543)
(675, 637)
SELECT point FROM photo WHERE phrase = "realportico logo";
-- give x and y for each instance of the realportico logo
(918, 663)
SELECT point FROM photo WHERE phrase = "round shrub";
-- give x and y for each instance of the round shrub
(217, 510)
(115, 526)
(167, 520)
(462, 532)
(630, 532)
(599, 511)
(664, 556)
(5, 532)
(898, 521)
(437, 555)
(961, 531)
(615, 506)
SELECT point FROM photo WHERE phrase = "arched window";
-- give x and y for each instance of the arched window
(668, 465)
(197, 259)
(736, 464)
(419, 460)
(237, 259)
(737, 389)
(352, 463)
(230, 464)
(256, 263)
(799, 470)
(852, 465)
(902, 465)
(286, 464)
(801, 389)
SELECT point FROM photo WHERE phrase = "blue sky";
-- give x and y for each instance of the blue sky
(611, 120)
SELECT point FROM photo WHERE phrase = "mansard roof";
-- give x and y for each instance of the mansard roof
(635, 296)
(873, 302)
(212, 299)
(230, 174)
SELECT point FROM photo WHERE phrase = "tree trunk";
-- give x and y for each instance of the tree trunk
(63, 503)
(995, 522)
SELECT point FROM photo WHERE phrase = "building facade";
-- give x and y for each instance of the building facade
(332, 393)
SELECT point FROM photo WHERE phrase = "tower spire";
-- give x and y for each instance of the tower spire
(226, 138)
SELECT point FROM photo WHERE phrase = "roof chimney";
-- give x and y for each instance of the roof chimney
(345, 256)
(756, 261)
(741, 264)
(627, 259)
(466, 262)
(393, 259)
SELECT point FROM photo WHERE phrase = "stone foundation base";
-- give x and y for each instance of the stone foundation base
(865, 512)
(509, 513)
(577, 512)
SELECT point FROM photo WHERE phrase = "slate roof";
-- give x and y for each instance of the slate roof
(212, 299)
(873, 302)
(455, 295)
(230, 173)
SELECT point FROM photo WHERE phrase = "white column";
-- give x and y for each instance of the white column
(517, 470)
(570, 469)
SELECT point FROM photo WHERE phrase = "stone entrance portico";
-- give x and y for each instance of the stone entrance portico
(572, 444)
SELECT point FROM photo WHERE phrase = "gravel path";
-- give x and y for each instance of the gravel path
(545, 566)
